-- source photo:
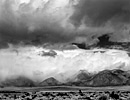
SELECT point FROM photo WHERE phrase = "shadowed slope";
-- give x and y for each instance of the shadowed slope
(105, 78)
(19, 82)
(50, 82)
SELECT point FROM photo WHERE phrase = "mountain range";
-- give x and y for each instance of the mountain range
(114, 77)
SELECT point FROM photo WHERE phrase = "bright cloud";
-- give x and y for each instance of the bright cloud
(28, 61)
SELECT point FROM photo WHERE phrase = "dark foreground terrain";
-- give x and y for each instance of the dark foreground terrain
(68, 93)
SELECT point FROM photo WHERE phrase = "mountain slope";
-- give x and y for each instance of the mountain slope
(83, 75)
(79, 77)
(125, 75)
(105, 78)
(50, 82)
(19, 82)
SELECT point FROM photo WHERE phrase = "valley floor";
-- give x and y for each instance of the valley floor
(65, 88)
(59, 93)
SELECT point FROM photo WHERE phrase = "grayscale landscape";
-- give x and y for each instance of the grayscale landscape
(64, 49)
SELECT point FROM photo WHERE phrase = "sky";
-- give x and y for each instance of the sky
(55, 21)
(28, 27)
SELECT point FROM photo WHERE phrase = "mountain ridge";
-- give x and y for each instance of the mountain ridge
(114, 77)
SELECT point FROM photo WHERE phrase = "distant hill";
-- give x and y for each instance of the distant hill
(19, 82)
(104, 78)
(50, 82)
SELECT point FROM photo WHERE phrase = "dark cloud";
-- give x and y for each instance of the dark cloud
(103, 17)
(25, 23)
(81, 22)
(99, 12)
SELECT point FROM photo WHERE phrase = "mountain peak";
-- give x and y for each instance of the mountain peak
(50, 82)
(82, 75)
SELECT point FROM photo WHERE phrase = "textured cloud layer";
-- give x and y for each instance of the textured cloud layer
(35, 21)
(100, 12)
(31, 62)
(42, 21)
(113, 16)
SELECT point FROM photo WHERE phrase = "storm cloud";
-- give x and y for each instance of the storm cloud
(35, 21)
(100, 15)
(66, 21)
(99, 12)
